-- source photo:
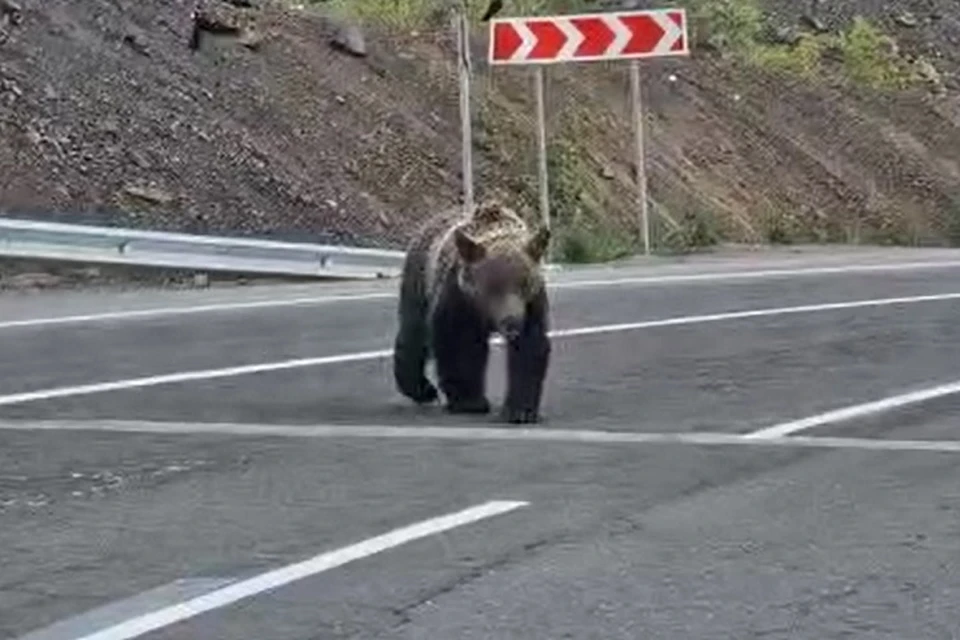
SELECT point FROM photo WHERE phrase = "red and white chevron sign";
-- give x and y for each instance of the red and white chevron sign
(589, 37)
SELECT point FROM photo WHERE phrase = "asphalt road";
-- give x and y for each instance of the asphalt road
(613, 540)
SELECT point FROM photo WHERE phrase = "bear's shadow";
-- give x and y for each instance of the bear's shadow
(401, 412)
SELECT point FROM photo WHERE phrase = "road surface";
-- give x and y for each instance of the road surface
(226, 464)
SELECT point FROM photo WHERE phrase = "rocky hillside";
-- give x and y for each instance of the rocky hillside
(279, 120)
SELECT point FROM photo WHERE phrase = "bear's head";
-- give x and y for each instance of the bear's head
(501, 277)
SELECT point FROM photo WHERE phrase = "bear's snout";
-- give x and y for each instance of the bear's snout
(511, 326)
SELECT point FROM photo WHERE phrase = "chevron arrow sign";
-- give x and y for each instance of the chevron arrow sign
(589, 37)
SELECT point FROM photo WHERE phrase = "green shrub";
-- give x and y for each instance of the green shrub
(412, 14)
(396, 14)
(734, 25)
(802, 59)
(585, 243)
(567, 181)
(870, 57)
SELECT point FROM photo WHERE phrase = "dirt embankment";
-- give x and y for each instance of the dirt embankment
(108, 114)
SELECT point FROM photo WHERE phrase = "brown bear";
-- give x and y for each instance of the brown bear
(465, 278)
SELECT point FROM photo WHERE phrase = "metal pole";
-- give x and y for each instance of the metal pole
(542, 147)
(636, 100)
(463, 63)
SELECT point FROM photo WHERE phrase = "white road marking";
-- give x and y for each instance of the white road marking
(473, 434)
(716, 276)
(270, 580)
(186, 376)
(763, 274)
(185, 310)
(856, 411)
(755, 313)
(116, 612)
(229, 372)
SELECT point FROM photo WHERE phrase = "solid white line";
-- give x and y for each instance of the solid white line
(206, 308)
(716, 276)
(756, 313)
(473, 434)
(186, 376)
(228, 372)
(856, 411)
(720, 276)
(285, 575)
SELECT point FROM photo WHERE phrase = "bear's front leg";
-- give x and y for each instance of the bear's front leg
(411, 344)
(409, 362)
(528, 357)
(462, 348)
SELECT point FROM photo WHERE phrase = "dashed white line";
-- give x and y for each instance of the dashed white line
(116, 612)
(716, 276)
(265, 367)
(856, 411)
(270, 580)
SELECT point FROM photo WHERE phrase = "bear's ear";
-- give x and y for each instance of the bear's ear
(470, 250)
(537, 245)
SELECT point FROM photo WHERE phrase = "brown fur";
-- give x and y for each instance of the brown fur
(465, 277)
(499, 230)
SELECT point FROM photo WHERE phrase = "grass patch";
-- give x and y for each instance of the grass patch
(590, 244)
(802, 59)
(952, 226)
(697, 231)
(413, 14)
(583, 232)
(733, 25)
(870, 57)
(393, 14)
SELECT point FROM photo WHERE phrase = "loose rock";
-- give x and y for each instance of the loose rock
(786, 35)
(907, 19)
(815, 23)
(349, 39)
(12, 11)
(137, 43)
(929, 74)
(150, 194)
(252, 39)
(215, 20)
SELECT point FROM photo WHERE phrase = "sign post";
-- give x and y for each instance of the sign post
(592, 37)
(462, 27)
(542, 148)
(636, 109)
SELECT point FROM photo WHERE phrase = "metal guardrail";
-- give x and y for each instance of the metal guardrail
(109, 245)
